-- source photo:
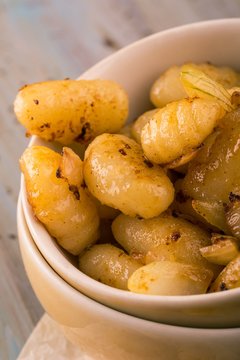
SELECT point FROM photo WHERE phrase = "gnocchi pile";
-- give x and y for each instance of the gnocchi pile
(151, 207)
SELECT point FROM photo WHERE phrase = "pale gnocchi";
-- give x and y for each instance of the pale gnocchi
(170, 278)
(140, 122)
(108, 264)
(168, 87)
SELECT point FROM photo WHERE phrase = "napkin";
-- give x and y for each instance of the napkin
(47, 341)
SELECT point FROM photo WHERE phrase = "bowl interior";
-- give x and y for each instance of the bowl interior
(135, 67)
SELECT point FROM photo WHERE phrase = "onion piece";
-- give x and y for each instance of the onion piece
(198, 84)
(223, 250)
(229, 278)
(212, 212)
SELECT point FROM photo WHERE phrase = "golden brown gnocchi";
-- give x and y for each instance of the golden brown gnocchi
(120, 196)
(58, 199)
(71, 110)
(214, 173)
(118, 175)
(179, 128)
(163, 238)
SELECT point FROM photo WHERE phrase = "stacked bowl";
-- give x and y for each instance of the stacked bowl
(109, 323)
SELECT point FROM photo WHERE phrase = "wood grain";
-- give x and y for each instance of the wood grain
(52, 39)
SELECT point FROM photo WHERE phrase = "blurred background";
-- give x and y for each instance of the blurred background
(54, 39)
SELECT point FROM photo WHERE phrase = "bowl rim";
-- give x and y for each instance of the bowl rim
(85, 281)
(162, 33)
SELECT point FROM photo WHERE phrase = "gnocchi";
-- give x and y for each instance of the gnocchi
(116, 209)
(179, 128)
(170, 278)
(164, 238)
(53, 184)
(108, 264)
(71, 110)
(141, 121)
(118, 175)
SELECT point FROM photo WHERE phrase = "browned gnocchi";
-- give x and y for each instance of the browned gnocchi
(130, 225)
(163, 238)
(179, 128)
(71, 110)
(58, 199)
(118, 175)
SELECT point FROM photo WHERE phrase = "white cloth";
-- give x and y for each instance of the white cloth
(47, 342)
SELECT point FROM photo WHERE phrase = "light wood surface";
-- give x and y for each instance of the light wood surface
(51, 39)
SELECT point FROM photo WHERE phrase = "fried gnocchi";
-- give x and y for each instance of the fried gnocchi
(163, 238)
(108, 264)
(218, 164)
(117, 209)
(118, 175)
(71, 110)
(179, 128)
(170, 278)
(140, 122)
(53, 184)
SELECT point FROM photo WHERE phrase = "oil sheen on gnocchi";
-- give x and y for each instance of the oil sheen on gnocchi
(119, 175)
(58, 199)
(154, 207)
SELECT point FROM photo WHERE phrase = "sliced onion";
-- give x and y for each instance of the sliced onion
(212, 212)
(198, 84)
(223, 250)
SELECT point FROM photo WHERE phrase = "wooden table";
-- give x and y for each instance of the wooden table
(52, 39)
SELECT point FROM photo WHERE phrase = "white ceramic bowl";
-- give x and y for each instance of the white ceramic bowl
(104, 333)
(135, 67)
